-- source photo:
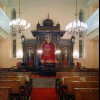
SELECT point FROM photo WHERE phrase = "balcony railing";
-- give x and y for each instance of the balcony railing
(4, 24)
(93, 22)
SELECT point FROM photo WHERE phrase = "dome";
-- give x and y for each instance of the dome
(48, 22)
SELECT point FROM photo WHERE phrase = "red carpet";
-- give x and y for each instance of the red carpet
(43, 94)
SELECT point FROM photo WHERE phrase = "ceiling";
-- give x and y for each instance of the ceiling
(7, 3)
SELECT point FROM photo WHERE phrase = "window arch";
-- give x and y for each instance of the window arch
(81, 15)
(13, 14)
(65, 53)
(13, 38)
(29, 56)
(81, 37)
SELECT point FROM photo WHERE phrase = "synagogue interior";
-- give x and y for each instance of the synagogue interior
(52, 54)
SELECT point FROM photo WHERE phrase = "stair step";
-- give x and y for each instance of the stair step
(43, 82)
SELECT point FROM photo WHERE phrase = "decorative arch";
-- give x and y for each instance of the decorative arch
(66, 56)
(29, 56)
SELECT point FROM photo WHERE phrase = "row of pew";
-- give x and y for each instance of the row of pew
(77, 85)
(15, 85)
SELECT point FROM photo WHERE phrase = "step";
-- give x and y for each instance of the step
(43, 82)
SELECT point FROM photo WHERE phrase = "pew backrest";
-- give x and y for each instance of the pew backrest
(26, 75)
(86, 93)
(80, 84)
(61, 74)
(79, 78)
(20, 78)
(4, 93)
(14, 85)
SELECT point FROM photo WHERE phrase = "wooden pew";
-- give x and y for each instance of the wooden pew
(27, 75)
(14, 87)
(17, 73)
(23, 77)
(74, 76)
(25, 89)
(80, 84)
(20, 78)
(61, 74)
(79, 78)
(86, 93)
(5, 93)
(68, 92)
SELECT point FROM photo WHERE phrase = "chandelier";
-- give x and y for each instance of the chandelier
(76, 27)
(18, 25)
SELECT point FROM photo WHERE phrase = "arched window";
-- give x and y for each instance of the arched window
(81, 15)
(13, 16)
(80, 48)
(81, 37)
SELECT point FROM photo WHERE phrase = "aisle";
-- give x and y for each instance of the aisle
(43, 89)
(43, 94)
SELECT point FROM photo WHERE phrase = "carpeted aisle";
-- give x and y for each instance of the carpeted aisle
(43, 88)
(43, 94)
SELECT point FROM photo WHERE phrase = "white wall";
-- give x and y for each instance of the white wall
(0, 53)
(96, 53)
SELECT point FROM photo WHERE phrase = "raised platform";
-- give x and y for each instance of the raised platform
(48, 70)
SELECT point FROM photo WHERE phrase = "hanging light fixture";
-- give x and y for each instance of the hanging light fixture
(76, 27)
(18, 25)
